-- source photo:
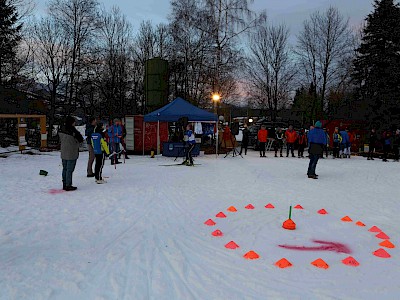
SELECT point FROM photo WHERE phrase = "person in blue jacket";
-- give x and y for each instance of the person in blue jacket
(191, 142)
(316, 142)
(344, 144)
(115, 135)
(100, 149)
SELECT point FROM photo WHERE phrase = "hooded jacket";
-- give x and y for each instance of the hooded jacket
(70, 138)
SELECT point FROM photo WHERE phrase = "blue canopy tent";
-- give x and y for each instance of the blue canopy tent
(177, 109)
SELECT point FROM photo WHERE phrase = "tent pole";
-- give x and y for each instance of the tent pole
(158, 138)
(143, 133)
(216, 140)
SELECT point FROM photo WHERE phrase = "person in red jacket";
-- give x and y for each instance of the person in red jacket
(291, 137)
(262, 139)
(302, 142)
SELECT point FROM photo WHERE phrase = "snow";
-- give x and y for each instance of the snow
(142, 235)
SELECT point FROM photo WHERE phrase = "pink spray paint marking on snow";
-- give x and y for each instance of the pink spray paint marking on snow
(56, 191)
(325, 246)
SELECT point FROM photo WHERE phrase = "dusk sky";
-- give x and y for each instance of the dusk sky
(291, 12)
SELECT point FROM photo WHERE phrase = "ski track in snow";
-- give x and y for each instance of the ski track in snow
(141, 235)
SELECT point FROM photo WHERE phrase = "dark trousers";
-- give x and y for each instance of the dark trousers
(326, 148)
(371, 151)
(91, 160)
(301, 150)
(313, 164)
(278, 146)
(68, 169)
(290, 147)
(114, 148)
(98, 168)
(189, 156)
(386, 150)
(336, 148)
(396, 152)
(262, 149)
(244, 146)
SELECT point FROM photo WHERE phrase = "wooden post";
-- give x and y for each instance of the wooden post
(43, 132)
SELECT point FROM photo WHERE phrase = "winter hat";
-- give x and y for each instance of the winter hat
(318, 124)
(69, 121)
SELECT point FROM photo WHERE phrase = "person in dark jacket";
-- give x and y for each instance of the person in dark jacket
(302, 143)
(100, 149)
(316, 142)
(245, 140)
(396, 145)
(88, 132)
(387, 144)
(70, 139)
(279, 137)
(372, 139)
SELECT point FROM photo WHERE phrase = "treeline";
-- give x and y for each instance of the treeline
(91, 59)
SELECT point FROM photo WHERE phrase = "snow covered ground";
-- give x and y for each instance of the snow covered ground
(142, 235)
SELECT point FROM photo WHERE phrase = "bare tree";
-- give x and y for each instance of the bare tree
(270, 69)
(51, 58)
(78, 20)
(325, 39)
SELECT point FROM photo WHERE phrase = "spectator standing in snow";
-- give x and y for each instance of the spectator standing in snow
(326, 148)
(191, 142)
(372, 139)
(344, 144)
(88, 132)
(396, 144)
(387, 144)
(316, 142)
(70, 139)
(262, 140)
(291, 137)
(245, 140)
(302, 143)
(100, 149)
(114, 136)
(279, 136)
(337, 141)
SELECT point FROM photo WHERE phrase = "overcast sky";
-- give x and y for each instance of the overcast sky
(291, 12)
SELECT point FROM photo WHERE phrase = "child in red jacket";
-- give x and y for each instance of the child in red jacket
(262, 140)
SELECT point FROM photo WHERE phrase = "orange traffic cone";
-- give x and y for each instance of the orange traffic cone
(250, 206)
(217, 233)
(251, 255)
(283, 263)
(210, 222)
(361, 224)
(232, 245)
(289, 224)
(381, 253)
(221, 215)
(350, 261)
(387, 244)
(347, 219)
(320, 263)
(232, 209)
(270, 206)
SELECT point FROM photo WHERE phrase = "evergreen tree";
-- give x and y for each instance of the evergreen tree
(10, 32)
(377, 66)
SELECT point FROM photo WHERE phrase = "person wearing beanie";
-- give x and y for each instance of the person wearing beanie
(316, 142)
(100, 149)
(302, 143)
(262, 139)
(115, 135)
(70, 138)
(291, 138)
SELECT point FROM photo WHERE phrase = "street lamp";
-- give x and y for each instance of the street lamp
(216, 98)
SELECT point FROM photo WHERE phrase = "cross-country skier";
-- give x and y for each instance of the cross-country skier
(88, 132)
(115, 135)
(191, 142)
(100, 150)
(337, 141)
(344, 144)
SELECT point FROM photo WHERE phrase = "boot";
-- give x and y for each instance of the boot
(70, 188)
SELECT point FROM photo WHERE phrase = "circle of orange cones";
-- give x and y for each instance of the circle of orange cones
(319, 263)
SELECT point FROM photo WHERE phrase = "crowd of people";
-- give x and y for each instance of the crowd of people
(102, 142)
